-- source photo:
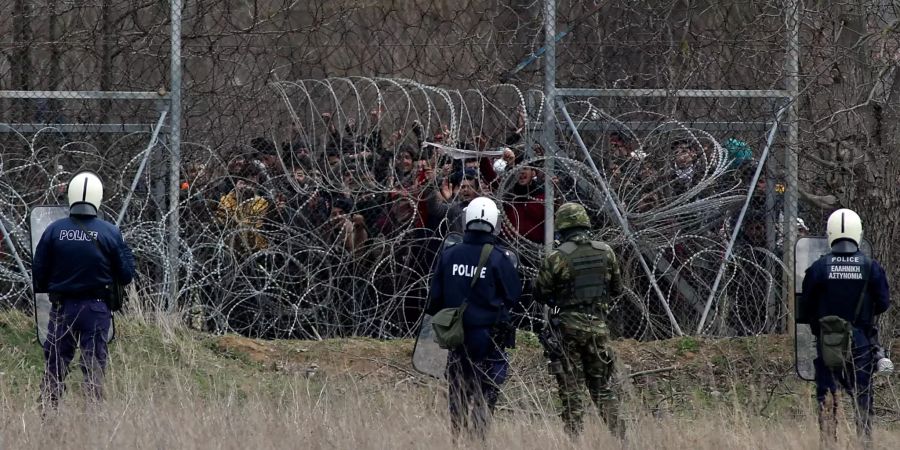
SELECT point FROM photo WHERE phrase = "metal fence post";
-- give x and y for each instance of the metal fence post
(175, 161)
(549, 128)
(791, 154)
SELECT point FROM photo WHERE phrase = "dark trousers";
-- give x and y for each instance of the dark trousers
(75, 324)
(856, 379)
(474, 388)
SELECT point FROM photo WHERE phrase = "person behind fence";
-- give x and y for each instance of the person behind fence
(843, 292)
(578, 280)
(76, 260)
(479, 278)
(446, 205)
(245, 209)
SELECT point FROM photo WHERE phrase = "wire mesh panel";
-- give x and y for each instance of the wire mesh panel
(36, 170)
(680, 183)
(309, 198)
(332, 227)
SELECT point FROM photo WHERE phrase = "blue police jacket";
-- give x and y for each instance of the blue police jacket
(494, 295)
(832, 286)
(68, 263)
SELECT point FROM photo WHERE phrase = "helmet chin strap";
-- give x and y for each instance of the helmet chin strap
(845, 246)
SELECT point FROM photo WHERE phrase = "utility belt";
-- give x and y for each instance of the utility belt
(62, 297)
(591, 308)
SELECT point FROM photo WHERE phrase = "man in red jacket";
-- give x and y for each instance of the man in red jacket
(524, 206)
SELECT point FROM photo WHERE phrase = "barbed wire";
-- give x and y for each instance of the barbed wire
(334, 231)
(241, 63)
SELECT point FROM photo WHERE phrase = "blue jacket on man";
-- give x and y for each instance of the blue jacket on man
(492, 298)
(67, 262)
(832, 286)
(496, 292)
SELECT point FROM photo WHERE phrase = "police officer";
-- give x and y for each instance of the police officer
(847, 284)
(75, 260)
(578, 279)
(477, 369)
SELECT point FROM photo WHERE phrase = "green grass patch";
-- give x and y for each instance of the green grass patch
(688, 344)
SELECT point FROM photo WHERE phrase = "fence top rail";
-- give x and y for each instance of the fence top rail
(606, 125)
(28, 128)
(85, 95)
(725, 93)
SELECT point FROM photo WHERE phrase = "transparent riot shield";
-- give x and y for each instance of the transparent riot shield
(807, 251)
(428, 357)
(38, 220)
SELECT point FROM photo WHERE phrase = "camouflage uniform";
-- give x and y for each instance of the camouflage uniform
(579, 278)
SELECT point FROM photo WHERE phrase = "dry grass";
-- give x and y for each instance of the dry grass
(175, 389)
(307, 417)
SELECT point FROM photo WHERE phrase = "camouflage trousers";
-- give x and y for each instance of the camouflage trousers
(589, 358)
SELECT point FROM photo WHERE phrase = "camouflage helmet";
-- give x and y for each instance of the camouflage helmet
(572, 215)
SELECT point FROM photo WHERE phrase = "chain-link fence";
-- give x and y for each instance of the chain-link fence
(314, 194)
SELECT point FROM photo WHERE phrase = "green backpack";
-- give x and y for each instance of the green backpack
(448, 322)
(835, 334)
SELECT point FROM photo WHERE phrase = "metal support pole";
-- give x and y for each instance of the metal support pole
(82, 95)
(792, 86)
(175, 161)
(137, 177)
(549, 131)
(614, 207)
(737, 228)
(773, 311)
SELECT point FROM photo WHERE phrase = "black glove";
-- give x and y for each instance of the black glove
(504, 334)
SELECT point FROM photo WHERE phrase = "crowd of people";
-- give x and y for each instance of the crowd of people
(382, 204)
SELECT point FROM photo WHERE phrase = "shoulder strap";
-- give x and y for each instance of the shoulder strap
(567, 247)
(485, 254)
(867, 272)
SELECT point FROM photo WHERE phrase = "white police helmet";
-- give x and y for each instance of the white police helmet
(844, 224)
(85, 194)
(482, 215)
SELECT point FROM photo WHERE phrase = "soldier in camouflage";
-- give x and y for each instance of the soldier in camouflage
(578, 279)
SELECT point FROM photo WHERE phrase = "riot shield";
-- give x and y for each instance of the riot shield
(38, 220)
(807, 251)
(428, 357)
